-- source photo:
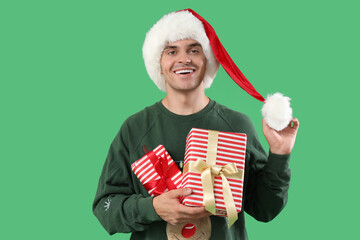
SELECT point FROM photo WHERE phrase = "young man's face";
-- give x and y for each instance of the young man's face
(183, 65)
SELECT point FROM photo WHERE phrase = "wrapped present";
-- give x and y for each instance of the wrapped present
(214, 170)
(157, 171)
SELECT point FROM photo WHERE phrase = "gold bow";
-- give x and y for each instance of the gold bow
(207, 179)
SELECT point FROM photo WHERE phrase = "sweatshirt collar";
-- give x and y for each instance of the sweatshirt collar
(193, 116)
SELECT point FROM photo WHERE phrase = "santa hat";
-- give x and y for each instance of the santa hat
(187, 24)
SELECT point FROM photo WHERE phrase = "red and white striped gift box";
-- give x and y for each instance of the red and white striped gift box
(144, 169)
(231, 148)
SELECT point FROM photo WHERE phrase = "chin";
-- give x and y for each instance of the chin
(188, 87)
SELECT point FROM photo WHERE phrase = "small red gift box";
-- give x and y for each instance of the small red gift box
(157, 171)
(218, 152)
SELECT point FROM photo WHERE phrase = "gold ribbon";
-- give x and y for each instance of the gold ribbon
(208, 170)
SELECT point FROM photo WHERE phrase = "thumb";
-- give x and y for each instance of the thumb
(181, 192)
(266, 127)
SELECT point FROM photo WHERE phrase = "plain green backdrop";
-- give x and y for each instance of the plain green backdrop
(72, 71)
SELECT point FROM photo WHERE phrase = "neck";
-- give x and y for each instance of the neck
(183, 103)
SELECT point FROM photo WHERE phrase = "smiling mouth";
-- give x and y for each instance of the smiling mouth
(184, 71)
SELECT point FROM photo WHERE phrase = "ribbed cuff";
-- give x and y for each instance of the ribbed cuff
(278, 163)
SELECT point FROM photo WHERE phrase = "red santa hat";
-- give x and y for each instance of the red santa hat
(187, 24)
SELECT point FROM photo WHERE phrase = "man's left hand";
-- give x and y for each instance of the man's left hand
(281, 142)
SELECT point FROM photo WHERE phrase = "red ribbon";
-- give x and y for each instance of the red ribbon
(165, 172)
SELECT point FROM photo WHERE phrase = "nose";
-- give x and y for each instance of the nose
(184, 58)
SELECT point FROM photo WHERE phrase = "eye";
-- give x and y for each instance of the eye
(172, 52)
(194, 51)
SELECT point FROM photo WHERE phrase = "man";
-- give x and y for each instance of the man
(180, 61)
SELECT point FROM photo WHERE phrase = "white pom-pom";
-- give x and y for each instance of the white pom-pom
(277, 111)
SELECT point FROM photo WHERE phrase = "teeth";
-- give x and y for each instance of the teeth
(184, 71)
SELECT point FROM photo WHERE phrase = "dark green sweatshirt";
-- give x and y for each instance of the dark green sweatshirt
(123, 205)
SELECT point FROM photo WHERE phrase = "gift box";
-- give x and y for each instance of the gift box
(220, 156)
(157, 171)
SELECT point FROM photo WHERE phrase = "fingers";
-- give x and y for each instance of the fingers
(188, 214)
(295, 123)
(193, 210)
(180, 192)
(169, 208)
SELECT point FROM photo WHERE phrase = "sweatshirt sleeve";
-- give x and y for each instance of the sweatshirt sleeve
(267, 177)
(116, 205)
(267, 184)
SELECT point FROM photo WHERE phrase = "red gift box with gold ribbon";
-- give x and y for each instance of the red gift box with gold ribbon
(214, 170)
(157, 171)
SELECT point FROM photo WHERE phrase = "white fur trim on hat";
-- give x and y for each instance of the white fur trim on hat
(170, 28)
(277, 111)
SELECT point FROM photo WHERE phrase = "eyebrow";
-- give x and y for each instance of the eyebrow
(190, 45)
(170, 46)
(195, 45)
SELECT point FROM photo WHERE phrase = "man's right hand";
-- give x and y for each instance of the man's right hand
(169, 208)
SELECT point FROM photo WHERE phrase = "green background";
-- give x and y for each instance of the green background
(72, 71)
